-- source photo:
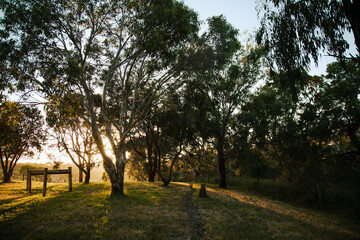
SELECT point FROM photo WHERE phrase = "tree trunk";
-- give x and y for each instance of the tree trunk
(87, 176)
(7, 177)
(80, 175)
(221, 162)
(116, 175)
(7, 171)
(152, 176)
(117, 186)
(163, 179)
(202, 191)
(152, 168)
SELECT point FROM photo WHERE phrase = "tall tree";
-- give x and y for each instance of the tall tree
(73, 134)
(169, 132)
(142, 146)
(227, 81)
(337, 104)
(127, 52)
(21, 133)
(77, 141)
(297, 32)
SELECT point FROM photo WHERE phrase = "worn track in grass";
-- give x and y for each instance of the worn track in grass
(195, 224)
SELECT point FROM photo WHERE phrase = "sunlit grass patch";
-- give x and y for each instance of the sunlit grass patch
(148, 211)
(233, 215)
(15, 199)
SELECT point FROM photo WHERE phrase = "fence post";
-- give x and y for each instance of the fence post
(70, 180)
(202, 192)
(27, 179)
(45, 182)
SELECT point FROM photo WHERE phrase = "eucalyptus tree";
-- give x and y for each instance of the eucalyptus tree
(297, 32)
(21, 133)
(258, 125)
(72, 134)
(168, 130)
(336, 126)
(118, 56)
(141, 146)
(272, 127)
(77, 141)
(337, 106)
(227, 79)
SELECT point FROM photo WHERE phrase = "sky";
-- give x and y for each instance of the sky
(243, 16)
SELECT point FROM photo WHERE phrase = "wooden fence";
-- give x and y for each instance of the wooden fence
(46, 172)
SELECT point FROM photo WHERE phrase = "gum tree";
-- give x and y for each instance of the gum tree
(77, 141)
(21, 133)
(297, 32)
(117, 56)
(227, 78)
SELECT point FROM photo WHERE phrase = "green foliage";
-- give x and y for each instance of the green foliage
(57, 164)
(132, 50)
(312, 144)
(224, 83)
(337, 101)
(295, 32)
(21, 133)
(222, 40)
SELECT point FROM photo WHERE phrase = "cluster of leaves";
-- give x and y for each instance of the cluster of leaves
(21, 132)
(313, 142)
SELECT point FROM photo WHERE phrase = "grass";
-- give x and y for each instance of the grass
(247, 216)
(342, 199)
(151, 211)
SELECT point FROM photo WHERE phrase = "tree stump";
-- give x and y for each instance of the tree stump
(202, 192)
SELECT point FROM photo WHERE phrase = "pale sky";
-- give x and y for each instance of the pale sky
(240, 13)
(243, 16)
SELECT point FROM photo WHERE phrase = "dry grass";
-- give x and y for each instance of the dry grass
(230, 214)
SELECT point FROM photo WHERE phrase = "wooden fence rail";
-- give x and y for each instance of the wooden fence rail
(46, 172)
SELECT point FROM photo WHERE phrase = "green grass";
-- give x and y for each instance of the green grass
(151, 211)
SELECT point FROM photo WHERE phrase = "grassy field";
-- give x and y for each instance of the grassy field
(343, 199)
(151, 211)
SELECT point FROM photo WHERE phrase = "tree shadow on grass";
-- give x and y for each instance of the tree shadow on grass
(56, 216)
(149, 211)
(255, 217)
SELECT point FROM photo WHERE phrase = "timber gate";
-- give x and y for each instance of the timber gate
(46, 172)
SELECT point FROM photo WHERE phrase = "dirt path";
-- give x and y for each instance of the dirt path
(195, 224)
